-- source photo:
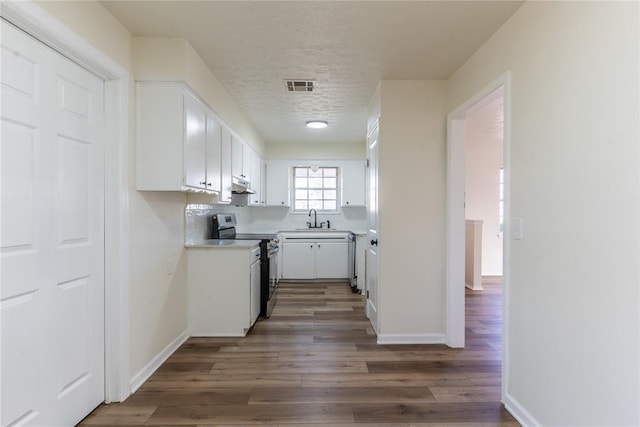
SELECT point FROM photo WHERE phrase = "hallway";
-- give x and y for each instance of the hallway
(316, 361)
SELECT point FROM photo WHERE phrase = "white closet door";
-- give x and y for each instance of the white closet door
(52, 239)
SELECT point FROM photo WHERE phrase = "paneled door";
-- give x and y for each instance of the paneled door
(52, 236)
(372, 234)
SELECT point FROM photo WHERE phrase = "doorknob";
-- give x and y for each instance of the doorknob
(374, 242)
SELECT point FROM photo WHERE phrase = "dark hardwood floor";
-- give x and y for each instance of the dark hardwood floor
(316, 361)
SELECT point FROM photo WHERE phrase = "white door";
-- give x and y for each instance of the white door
(372, 234)
(52, 241)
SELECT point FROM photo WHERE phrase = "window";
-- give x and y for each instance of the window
(315, 188)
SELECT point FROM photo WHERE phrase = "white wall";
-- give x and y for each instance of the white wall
(483, 156)
(411, 207)
(574, 291)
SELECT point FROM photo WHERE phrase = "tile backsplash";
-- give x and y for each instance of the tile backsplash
(267, 219)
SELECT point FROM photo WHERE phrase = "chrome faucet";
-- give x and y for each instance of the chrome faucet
(315, 218)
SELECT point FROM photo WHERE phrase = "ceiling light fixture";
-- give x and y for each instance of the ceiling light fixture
(317, 124)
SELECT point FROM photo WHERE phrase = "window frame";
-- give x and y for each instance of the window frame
(294, 188)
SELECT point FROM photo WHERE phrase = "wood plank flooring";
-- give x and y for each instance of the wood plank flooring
(316, 362)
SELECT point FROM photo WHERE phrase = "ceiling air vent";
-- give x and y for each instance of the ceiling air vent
(300, 85)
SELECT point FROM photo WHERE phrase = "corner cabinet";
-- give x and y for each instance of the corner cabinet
(178, 144)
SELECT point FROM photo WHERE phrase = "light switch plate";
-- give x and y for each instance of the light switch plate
(516, 229)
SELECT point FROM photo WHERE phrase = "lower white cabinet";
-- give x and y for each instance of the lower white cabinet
(315, 260)
(223, 287)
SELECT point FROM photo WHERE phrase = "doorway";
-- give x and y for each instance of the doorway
(456, 182)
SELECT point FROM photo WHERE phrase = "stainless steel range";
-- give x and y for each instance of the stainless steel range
(224, 227)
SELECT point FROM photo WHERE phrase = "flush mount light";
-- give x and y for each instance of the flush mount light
(317, 124)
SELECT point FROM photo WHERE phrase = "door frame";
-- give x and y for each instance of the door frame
(32, 19)
(455, 318)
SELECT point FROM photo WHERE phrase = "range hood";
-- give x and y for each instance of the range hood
(240, 186)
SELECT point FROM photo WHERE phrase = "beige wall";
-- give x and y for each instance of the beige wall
(411, 207)
(573, 330)
(316, 151)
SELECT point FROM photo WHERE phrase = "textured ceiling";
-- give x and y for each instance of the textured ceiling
(347, 47)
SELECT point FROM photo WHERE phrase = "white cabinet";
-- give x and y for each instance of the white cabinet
(213, 153)
(257, 166)
(298, 260)
(332, 260)
(353, 183)
(241, 155)
(278, 185)
(361, 253)
(173, 146)
(225, 166)
(308, 257)
(255, 285)
(223, 290)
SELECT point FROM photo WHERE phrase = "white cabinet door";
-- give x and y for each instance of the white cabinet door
(247, 155)
(298, 260)
(225, 165)
(237, 148)
(52, 240)
(255, 291)
(256, 179)
(213, 150)
(278, 184)
(353, 184)
(195, 117)
(332, 260)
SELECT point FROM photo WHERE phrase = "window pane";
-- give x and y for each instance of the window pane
(301, 194)
(301, 171)
(315, 183)
(330, 172)
(315, 194)
(317, 172)
(301, 182)
(329, 183)
(302, 204)
(330, 194)
(315, 204)
(330, 204)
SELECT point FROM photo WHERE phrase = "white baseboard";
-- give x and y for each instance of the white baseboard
(519, 413)
(411, 339)
(146, 372)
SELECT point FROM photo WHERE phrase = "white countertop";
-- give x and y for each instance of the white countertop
(223, 244)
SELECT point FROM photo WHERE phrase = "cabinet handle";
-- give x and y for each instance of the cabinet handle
(202, 183)
(282, 203)
(374, 242)
(347, 202)
(209, 184)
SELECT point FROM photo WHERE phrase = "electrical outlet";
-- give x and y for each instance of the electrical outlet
(170, 266)
(516, 229)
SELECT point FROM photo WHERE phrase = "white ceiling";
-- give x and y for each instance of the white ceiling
(347, 47)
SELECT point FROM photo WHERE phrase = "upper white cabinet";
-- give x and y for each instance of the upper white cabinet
(225, 165)
(278, 177)
(257, 165)
(241, 157)
(178, 140)
(353, 183)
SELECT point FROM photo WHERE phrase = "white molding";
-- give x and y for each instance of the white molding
(145, 373)
(519, 412)
(411, 339)
(218, 335)
(29, 17)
